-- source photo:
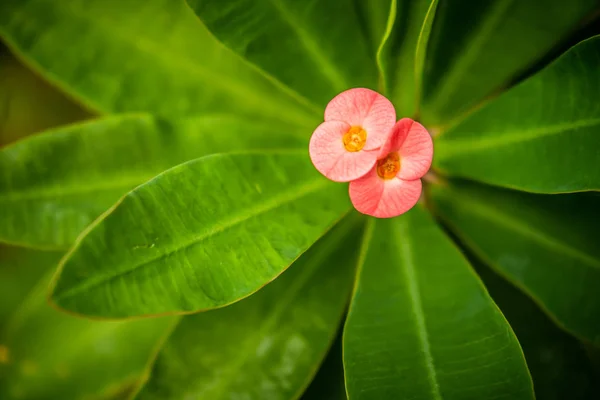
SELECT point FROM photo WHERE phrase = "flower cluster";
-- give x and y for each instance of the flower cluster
(360, 142)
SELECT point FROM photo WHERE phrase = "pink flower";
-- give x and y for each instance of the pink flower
(357, 123)
(393, 185)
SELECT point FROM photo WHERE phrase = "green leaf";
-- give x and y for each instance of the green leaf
(385, 37)
(478, 49)
(270, 345)
(20, 270)
(23, 94)
(404, 54)
(49, 355)
(541, 136)
(374, 17)
(141, 56)
(328, 384)
(546, 245)
(557, 362)
(57, 183)
(422, 326)
(316, 48)
(201, 235)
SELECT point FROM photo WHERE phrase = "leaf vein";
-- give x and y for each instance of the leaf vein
(410, 274)
(310, 44)
(461, 146)
(527, 231)
(232, 220)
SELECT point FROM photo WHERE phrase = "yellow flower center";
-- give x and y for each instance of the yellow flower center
(388, 167)
(355, 139)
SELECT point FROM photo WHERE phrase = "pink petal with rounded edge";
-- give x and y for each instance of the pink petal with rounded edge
(384, 198)
(366, 108)
(330, 157)
(412, 141)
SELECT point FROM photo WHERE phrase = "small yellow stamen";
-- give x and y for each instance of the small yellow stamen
(388, 167)
(355, 139)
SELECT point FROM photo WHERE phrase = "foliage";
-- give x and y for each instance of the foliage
(154, 163)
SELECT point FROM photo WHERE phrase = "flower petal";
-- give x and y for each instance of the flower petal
(366, 108)
(384, 198)
(330, 158)
(412, 141)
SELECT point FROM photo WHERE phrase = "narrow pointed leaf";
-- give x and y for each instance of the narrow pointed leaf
(385, 36)
(56, 183)
(546, 245)
(140, 55)
(201, 235)
(23, 94)
(48, 355)
(422, 326)
(405, 53)
(557, 361)
(374, 16)
(541, 136)
(268, 346)
(316, 48)
(478, 49)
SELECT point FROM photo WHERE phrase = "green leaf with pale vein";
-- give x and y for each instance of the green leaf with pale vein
(477, 50)
(48, 355)
(422, 326)
(546, 245)
(556, 360)
(542, 136)
(269, 345)
(56, 183)
(317, 48)
(142, 56)
(201, 235)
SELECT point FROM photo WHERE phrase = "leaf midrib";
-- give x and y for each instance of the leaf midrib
(311, 45)
(452, 147)
(526, 231)
(55, 192)
(232, 220)
(402, 236)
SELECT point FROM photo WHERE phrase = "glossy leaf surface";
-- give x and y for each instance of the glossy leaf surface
(541, 136)
(49, 355)
(478, 49)
(545, 244)
(23, 94)
(316, 48)
(422, 326)
(270, 345)
(55, 184)
(221, 227)
(557, 362)
(140, 55)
